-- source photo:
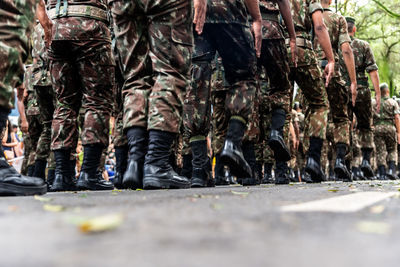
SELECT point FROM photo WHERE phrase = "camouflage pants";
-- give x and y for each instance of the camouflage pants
(328, 147)
(16, 19)
(275, 62)
(82, 75)
(338, 103)
(119, 137)
(154, 40)
(356, 156)
(219, 120)
(363, 112)
(45, 100)
(309, 78)
(235, 46)
(386, 144)
(35, 129)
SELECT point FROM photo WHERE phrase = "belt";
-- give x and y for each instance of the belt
(301, 42)
(79, 11)
(270, 16)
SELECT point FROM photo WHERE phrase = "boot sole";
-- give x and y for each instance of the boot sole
(342, 175)
(63, 189)
(18, 190)
(197, 183)
(248, 182)
(131, 185)
(280, 152)
(235, 168)
(315, 177)
(153, 183)
(367, 172)
(91, 187)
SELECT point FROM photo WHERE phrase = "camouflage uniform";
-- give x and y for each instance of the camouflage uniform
(308, 74)
(43, 90)
(337, 92)
(385, 131)
(226, 30)
(364, 62)
(82, 68)
(32, 115)
(16, 21)
(156, 76)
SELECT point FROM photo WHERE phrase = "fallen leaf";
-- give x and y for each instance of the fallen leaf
(53, 208)
(333, 190)
(13, 208)
(138, 189)
(371, 227)
(377, 209)
(216, 206)
(116, 190)
(101, 223)
(244, 194)
(42, 199)
(83, 196)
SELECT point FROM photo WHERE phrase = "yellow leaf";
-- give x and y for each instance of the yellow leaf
(371, 227)
(333, 190)
(43, 199)
(53, 208)
(101, 223)
(377, 209)
(216, 206)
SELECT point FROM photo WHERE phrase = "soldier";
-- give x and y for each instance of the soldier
(387, 134)
(337, 92)
(364, 62)
(154, 40)
(16, 20)
(275, 63)
(226, 31)
(306, 15)
(45, 100)
(82, 68)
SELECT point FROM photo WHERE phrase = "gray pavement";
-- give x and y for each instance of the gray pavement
(223, 226)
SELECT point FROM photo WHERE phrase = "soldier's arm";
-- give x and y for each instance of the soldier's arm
(397, 122)
(22, 116)
(372, 68)
(375, 82)
(348, 58)
(253, 6)
(284, 7)
(44, 20)
(200, 10)
(323, 38)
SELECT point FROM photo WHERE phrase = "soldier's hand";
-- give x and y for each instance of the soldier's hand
(293, 50)
(257, 36)
(353, 88)
(378, 103)
(48, 36)
(24, 126)
(329, 69)
(200, 10)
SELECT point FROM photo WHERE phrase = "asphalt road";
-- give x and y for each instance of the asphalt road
(223, 226)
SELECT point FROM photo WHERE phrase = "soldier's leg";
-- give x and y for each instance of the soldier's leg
(338, 102)
(309, 79)
(171, 49)
(235, 45)
(275, 61)
(381, 151)
(363, 112)
(391, 147)
(197, 109)
(45, 98)
(35, 129)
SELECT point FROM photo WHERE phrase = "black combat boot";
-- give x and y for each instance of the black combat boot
(40, 169)
(267, 179)
(51, 175)
(31, 170)
(64, 179)
(357, 173)
(391, 174)
(365, 165)
(219, 172)
(232, 155)
(187, 167)
(332, 176)
(313, 166)
(250, 157)
(72, 168)
(341, 171)
(138, 143)
(281, 173)
(121, 158)
(275, 140)
(259, 172)
(292, 175)
(306, 177)
(381, 172)
(90, 178)
(201, 173)
(158, 173)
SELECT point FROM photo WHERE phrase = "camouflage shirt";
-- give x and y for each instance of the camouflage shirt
(41, 75)
(363, 58)
(80, 28)
(337, 28)
(271, 28)
(227, 11)
(389, 108)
